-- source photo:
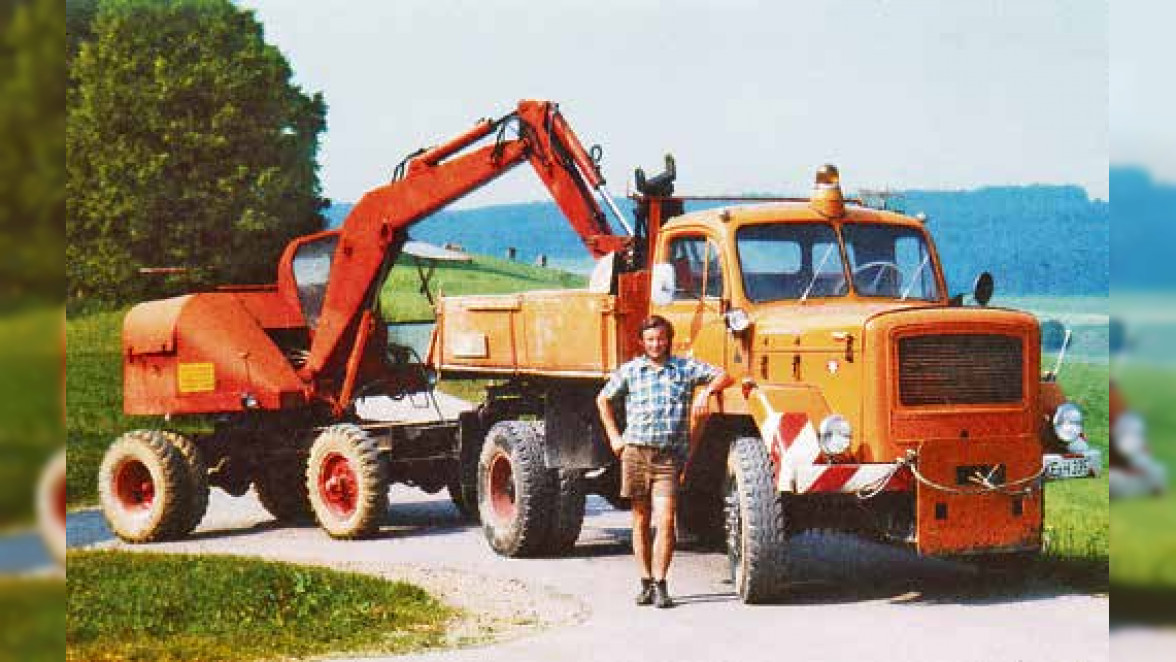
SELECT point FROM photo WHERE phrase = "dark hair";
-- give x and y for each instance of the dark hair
(657, 322)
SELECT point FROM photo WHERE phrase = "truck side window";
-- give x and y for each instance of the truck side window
(697, 269)
(312, 270)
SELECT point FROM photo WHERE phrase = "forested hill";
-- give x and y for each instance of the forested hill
(1034, 239)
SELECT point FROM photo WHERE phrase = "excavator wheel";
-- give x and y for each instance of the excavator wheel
(145, 488)
(347, 483)
(197, 476)
(51, 506)
(756, 540)
(516, 491)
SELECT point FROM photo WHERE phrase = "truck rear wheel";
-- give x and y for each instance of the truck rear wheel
(756, 542)
(145, 487)
(281, 488)
(516, 491)
(346, 482)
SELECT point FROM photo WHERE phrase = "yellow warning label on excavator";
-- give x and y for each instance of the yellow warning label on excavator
(196, 377)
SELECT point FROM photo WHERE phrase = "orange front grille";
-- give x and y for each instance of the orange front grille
(960, 369)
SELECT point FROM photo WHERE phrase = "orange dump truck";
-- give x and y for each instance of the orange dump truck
(866, 398)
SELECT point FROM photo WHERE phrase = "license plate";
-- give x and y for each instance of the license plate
(1060, 468)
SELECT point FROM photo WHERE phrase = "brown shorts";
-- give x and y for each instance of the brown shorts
(647, 471)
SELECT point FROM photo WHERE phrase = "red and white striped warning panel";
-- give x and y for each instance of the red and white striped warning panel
(792, 445)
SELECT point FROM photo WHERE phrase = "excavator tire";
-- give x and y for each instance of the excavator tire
(145, 488)
(347, 484)
(197, 477)
(281, 488)
(463, 486)
(516, 491)
(756, 541)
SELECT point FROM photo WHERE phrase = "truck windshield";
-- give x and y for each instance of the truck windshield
(787, 260)
(890, 262)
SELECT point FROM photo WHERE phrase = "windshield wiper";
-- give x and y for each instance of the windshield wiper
(915, 277)
(817, 272)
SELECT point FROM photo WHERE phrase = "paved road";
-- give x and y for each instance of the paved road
(868, 602)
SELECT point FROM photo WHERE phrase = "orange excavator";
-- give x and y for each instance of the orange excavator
(278, 369)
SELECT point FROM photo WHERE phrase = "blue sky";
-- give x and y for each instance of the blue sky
(749, 96)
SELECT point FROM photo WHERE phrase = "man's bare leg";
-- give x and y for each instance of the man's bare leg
(642, 548)
(663, 548)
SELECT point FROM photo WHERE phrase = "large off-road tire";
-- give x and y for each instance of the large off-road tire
(516, 491)
(51, 506)
(145, 488)
(197, 479)
(569, 512)
(347, 484)
(281, 489)
(756, 541)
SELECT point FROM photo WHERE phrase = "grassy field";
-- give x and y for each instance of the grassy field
(32, 619)
(30, 405)
(1143, 534)
(402, 300)
(130, 606)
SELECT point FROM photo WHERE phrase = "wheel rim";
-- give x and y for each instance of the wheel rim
(502, 489)
(338, 485)
(134, 488)
(734, 525)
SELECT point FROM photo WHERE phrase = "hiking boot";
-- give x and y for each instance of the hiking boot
(645, 597)
(661, 595)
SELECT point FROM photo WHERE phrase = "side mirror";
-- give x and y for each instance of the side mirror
(661, 284)
(983, 289)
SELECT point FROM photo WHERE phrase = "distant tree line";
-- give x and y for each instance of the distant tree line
(188, 146)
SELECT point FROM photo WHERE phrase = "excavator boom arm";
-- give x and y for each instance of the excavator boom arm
(376, 227)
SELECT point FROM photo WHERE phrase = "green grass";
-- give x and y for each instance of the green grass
(30, 405)
(32, 614)
(130, 606)
(1143, 533)
(1077, 512)
(402, 301)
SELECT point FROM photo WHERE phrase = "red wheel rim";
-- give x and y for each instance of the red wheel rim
(338, 485)
(133, 486)
(502, 488)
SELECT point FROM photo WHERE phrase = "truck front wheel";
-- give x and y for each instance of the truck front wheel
(516, 492)
(754, 515)
(346, 482)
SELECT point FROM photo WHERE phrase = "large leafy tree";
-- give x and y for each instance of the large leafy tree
(188, 146)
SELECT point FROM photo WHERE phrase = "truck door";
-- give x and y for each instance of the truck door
(695, 309)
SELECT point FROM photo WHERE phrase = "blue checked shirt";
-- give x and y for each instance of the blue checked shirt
(657, 400)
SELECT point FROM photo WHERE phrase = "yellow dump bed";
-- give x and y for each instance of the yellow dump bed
(570, 333)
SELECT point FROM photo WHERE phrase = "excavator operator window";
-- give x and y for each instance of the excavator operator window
(312, 270)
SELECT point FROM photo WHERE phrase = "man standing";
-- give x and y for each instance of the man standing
(657, 389)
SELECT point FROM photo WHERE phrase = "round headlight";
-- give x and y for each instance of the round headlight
(1129, 435)
(836, 434)
(1067, 422)
(738, 320)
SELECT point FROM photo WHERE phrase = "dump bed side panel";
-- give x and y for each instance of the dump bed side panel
(562, 332)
